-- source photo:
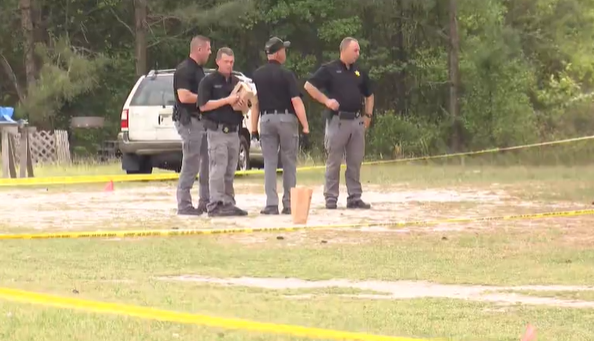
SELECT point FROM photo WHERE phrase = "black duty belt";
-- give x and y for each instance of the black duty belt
(275, 112)
(177, 113)
(225, 127)
(347, 115)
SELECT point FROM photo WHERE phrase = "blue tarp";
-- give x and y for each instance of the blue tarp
(6, 114)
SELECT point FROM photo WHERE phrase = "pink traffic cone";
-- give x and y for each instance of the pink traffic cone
(108, 186)
(530, 334)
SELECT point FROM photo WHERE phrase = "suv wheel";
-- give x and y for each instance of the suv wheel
(141, 171)
(243, 162)
(145, 166)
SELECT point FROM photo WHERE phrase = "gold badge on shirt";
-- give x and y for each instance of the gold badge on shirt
(357, 73)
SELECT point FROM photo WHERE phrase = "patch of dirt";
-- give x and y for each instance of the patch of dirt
(154, 207)
(117, 281)
(404, 290)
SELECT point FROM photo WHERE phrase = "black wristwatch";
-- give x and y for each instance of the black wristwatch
(368, 115)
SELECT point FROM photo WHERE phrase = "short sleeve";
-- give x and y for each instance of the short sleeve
(182, 79)
(204, 91)
(292, 85)
(366, 86)
(321, 78)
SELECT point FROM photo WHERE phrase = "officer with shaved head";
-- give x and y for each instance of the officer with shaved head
(189, 125)
(349, 101)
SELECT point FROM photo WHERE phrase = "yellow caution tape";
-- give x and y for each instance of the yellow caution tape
(161, 315)
(178, 317)
(484, 151)
(86, 179)
(190, 232)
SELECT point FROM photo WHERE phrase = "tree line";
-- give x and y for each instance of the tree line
(449, 75)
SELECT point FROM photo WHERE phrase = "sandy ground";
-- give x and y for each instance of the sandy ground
(403, 290)
(154, 207)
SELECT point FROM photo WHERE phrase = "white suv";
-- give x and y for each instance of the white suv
(148, 137)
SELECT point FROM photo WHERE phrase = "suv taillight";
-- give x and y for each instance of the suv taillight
(124, 120)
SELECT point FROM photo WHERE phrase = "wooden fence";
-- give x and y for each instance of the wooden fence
(47, 147)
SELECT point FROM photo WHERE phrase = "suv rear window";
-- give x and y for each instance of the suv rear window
(159, 90)
(154, 92)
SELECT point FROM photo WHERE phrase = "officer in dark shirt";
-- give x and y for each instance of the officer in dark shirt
(186, 117)
(279, 103)
(347, 86)
(222, 125)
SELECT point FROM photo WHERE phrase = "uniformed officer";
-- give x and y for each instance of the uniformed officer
(347, 86)
(222, 125)
(279, 103)
(186, 78)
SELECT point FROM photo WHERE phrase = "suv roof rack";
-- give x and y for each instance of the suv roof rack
(235, 72)
(155, 72)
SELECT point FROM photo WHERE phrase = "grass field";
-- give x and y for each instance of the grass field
(466, 282)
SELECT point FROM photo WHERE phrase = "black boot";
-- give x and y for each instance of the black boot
(189, 211)
(269, 210)
(331, 205)
(201, 207)
(223, 211)
(358, 204)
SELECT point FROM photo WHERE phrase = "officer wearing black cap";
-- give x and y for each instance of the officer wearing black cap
(279, 110)
(347, 87)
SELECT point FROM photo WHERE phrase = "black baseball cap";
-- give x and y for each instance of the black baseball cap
(275, 44)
